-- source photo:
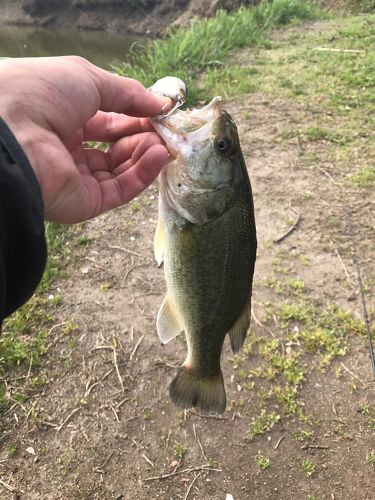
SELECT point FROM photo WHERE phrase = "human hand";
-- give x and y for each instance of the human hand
(54, 104)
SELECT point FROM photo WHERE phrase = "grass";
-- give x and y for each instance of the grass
(364, 177)
(308, 467)
(24, 339)
(263, 423)
(262, 461)
(207, 44)
(340, 81)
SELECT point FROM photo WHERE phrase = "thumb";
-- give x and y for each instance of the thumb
(126, 95)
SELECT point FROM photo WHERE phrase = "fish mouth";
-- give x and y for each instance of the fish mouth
(182, 129)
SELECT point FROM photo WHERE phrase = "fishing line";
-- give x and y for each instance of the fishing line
(363, 298)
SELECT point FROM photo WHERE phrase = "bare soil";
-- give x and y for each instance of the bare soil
(103, 427)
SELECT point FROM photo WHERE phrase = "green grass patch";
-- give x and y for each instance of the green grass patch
(308, 467)
(206, 44)
(24, 337)
(263, 423)
(364, 177)
(262, 461)
(233, 81)
(323, 330)
(339, 78)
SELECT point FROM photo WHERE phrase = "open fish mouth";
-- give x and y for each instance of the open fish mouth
(182, 129)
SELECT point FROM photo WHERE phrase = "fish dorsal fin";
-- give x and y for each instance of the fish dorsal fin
(167, 323)
(159, 244)
(238, 332)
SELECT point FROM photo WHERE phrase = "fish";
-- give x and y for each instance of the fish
(206, 239)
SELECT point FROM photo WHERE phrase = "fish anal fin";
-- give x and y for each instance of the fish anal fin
(167, 322)
(159, 244)
(206, 394)
(238, 332)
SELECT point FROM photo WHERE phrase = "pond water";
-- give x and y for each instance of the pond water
(100, 48)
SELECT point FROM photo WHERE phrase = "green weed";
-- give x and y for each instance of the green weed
(262, 461)
(308, 467)
(303, 435)
(24, 338)
(365, 176)
(178, 449)
(263, 423)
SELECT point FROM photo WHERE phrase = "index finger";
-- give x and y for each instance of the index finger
(108, 127)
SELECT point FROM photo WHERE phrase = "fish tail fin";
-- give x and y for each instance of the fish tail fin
(207, 394)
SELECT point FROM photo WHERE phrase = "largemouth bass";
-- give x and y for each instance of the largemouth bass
(206, 237)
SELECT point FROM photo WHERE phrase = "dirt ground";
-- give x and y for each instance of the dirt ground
(101, 426)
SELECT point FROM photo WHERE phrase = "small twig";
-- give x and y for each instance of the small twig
(148, 460)
(100, 469)
(127, 273)
(159, 362)
(107, 459)
(90, 388)
(67, 419)
(299, 145)
(191, 484)
(29, 371)
(98, 266)
(352, 374)
(314, 447)
(136, 347)
(106, 375)
(56, 326)
(180, 461)
(115, 412)
(167, 441)
(199, 442)
(9, 488)
(344, 51)
(261, 324)
(202, 450)
(279, 441)
(289, 231)
(193, 469)
(125, 400)
(117, 370)
(343, 266)
(49, 424)
(126, 250)
(329, 176)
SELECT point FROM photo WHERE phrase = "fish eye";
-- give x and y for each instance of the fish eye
(223, 144)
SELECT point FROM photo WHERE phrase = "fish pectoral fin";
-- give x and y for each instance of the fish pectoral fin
(238, 332)
(159, 244)
(167, 323)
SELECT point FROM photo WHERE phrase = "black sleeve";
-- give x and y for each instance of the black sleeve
(22, 242)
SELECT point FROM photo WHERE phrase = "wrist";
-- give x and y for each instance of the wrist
(25, 132)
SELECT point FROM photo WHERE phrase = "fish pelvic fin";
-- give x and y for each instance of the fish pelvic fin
(159, 244)
(167, 322)
(207, 394)
(238, 332)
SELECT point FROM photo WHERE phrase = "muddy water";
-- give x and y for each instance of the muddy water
(98, 47)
